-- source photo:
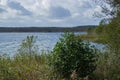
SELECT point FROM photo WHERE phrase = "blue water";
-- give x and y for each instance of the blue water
(10, 42)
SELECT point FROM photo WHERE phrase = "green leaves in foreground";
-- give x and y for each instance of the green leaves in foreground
(73, 58)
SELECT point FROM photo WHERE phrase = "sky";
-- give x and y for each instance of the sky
(48, 13)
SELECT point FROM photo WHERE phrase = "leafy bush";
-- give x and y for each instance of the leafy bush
(73, 58)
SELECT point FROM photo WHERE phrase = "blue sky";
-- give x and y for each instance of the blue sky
(55, 13)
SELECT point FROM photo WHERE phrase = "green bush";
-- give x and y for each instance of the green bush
(73, 58)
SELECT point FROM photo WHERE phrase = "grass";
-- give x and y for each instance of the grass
(92, 38)
(33, 67)
(25, 66)
(36, 67)
(88, 37)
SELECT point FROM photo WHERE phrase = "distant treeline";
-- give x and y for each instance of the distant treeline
(45, 29)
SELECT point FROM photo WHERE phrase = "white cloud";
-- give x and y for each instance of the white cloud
(3, 2)
(75, 11)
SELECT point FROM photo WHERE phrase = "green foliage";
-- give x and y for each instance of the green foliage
(99, 30)
(112, 35)
(89, 30)
(114, 6)
(73, 56)
(72, 59)
(28, 46)
(27, 68)
(111, 31)
(108, 67)
(109, 63)
(100, 34)
(26, 65)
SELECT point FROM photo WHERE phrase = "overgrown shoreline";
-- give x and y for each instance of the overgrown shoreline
(92, 38)
(28, 64)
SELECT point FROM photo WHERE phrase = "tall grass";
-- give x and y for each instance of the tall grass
(33, 67)
(27, 64)
(108, 67)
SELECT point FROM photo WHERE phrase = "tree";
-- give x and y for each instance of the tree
(112, 29)
(109, 7)
(99, 30)
(89, 30)
(28, 46)
(73, 56)
(112, 33)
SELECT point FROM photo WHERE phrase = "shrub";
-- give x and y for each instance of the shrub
(73, 58)
(28, 46)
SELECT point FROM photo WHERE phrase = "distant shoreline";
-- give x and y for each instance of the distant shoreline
(45, 29)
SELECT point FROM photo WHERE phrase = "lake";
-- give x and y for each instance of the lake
(10, 42)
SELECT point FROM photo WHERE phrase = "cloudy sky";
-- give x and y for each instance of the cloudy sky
(48, 13)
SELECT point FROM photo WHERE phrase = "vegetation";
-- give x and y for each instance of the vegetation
(110, 27)
(24, 68)
(94, 34)
(108, 67)
(109, 7)
(28, 46)
(27, 64)
(108, 32)
(90, 31)
(45, 29)
(72, 58)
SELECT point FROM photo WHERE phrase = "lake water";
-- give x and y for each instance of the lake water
(10, 42)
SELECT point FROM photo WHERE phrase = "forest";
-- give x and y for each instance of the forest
(45, 29)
